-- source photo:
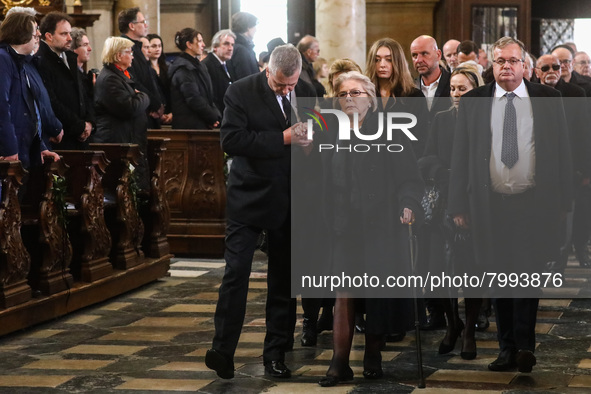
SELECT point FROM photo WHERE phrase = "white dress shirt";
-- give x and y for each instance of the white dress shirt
(520, 177)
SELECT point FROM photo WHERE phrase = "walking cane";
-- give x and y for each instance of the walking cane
(416, 305)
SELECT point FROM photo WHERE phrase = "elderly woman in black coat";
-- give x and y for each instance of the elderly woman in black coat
(120, 107)
(191, 92)
(371, 198)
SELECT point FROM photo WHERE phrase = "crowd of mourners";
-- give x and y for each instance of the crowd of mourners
(513, 177)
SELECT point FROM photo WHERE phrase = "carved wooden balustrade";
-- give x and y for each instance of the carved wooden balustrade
(15, 261)
(123, 220)
(44, 229)
(194, 185)
(88, 231)
(157, 217)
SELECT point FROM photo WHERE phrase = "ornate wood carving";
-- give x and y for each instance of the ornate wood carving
(127, 229)
(15, 261)
(158, 216)
(91, 238)
(196, 192)
(46, 236)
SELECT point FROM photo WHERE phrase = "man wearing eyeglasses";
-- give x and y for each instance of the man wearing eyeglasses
(511, 184)
(582, 63)
(548, 71)
(565, 55)
(133, 25)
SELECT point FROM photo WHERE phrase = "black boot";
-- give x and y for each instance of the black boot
(309, 333)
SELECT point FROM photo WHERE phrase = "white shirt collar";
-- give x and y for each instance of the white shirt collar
(520, 91)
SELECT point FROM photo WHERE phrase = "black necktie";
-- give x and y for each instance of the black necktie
(286, 109)
(509, 152)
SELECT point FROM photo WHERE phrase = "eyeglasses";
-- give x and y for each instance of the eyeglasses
(546, 68)
(583, 62)
(145, 22)
(565, 61)
(352, 93)
(127, 52)
(513, 61)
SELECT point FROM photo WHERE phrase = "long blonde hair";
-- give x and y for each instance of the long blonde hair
(401, 81)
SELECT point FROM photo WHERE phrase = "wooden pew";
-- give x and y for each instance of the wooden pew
(123, 220)
(195, 188)
(44, 229)
(88, 231)
(15, 261)
(157, 213)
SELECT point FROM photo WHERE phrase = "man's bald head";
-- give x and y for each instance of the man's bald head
(450, 53)
(566, 62)
(425, 56)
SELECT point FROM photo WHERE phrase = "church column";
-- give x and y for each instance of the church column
(98, 33)
(341, 30)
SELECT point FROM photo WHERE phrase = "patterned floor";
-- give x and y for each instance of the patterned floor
(153, 340)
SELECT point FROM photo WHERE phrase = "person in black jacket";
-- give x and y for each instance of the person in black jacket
(191, 93)
(58, 67)
(222, 45)
(120, 107)
(244, 60)
(133, 25)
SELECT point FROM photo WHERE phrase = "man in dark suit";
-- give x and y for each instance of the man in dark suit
(433, 79)
(548, 72)
(222, 45)
(244, 60)
(511, 183)
(133, 25)
(256, 131)
(565, 55)
(58, 67)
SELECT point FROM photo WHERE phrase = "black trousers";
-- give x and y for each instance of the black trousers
(514, 240)
(241, 241)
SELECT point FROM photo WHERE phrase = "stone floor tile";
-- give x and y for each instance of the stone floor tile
(118, 350)
(143, 334)
(186, 273)
(115, 306)
(472, 376)
(309, 388)
(479, 360)
(169, 321)
(441, 390)
(585, 363)
(260, 322)
(194, 308)
(206, 296)
(183, 366)
(258, 275)
(81, 319)
(257, 285)
(68, 364)
(320, 370)
(549, 314)
(548, 302)
(34, 380)
(43, 333)
(252, 337)
(198, 264)
(164, 384)
(356, 355)
(149, 293)
(580, 381)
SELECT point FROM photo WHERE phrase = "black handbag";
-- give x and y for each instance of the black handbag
(432, 203)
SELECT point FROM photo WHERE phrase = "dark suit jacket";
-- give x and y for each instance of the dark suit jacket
(68, 95)
(441, 101)
(469, 190)
(219, 79)
(143, 77)
(582, 81)
(244, 60)
(252, 132)
(577, 117)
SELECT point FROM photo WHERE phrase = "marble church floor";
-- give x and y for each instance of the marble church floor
(154, 339)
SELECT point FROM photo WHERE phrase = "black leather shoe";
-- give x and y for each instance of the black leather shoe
(309, 334)
(331, 380)
(395, 337)
(219, 363)
(359, 323)
(525, 360)
(277, 369)
(482, 323)
(373, 373)
(435, 321)
(504, 362)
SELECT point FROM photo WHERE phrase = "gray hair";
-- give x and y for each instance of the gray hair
(25, 10)
(364, 80)
(285, 58)
(504, 41)
(77, 34)
(216, 41)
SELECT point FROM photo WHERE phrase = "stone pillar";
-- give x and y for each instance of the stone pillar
(340, 28)
(103, 28)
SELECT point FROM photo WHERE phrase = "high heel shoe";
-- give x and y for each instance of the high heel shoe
(468, 355)
(445, 348)
(332, 380)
